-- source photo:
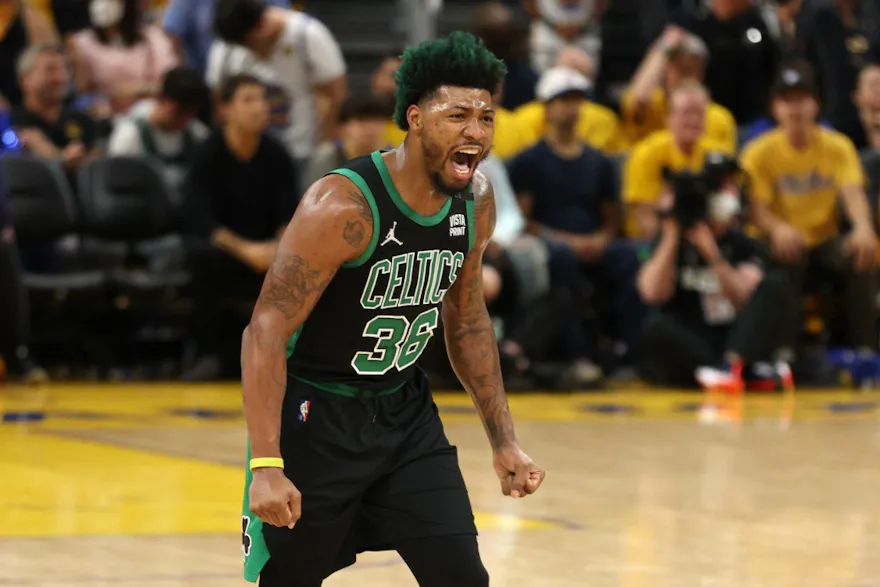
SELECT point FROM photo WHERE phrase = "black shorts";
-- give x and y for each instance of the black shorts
(372, 472)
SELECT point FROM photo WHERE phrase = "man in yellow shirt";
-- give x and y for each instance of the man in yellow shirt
(682, 147)
(676, 57)
(597, 125)
(798, 173)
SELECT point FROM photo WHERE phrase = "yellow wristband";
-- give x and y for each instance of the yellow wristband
(266, 462)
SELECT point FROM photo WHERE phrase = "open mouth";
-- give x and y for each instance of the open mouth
(465, 160)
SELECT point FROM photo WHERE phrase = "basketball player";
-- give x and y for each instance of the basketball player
(349, 453)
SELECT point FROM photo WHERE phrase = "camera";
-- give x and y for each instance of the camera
(693, 190)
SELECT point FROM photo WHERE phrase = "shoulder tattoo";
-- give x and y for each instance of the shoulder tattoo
(356, 230)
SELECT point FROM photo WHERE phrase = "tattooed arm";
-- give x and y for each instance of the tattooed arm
(336, 215)
(473, 353)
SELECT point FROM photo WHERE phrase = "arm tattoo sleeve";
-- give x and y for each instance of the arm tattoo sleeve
(289, 283)
(473, 349)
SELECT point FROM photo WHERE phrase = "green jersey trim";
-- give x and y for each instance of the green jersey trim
(469, 210)
(357, 180)
(431, 220)
(291, 342)
(253, 544)
(343, 389)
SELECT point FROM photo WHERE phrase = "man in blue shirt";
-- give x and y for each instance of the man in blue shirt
(568, 192)
(190, 23)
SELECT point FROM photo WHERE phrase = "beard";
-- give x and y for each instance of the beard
(435, 161)
(566, 126)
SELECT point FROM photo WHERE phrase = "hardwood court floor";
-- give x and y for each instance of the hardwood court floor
(141, 486)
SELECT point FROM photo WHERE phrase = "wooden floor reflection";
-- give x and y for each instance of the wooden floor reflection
(141, 486)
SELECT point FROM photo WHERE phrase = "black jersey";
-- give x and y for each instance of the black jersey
(378, 313)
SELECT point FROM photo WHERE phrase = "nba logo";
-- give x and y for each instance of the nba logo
(304, 410)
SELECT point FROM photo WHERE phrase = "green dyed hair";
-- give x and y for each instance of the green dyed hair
(460, 60)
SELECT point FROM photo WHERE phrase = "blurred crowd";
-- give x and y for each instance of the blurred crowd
(609, 261)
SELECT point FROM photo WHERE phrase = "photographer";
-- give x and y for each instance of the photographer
(717, 305)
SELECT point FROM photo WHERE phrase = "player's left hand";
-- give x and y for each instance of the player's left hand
(519, 475)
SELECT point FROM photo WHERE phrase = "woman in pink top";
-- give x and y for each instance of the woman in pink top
(121, 59)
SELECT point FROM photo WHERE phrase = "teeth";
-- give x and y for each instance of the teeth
(460, 169)
(469, 150)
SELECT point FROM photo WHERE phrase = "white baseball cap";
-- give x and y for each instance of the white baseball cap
(562, 80)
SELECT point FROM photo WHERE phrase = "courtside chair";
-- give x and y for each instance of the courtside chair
(126, 202)
(66, 298)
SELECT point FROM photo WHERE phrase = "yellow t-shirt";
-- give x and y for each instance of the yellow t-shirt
(597, 126)
(511, 136)
(643, 181)
(720, 124)
(393, 136)
(802, 187)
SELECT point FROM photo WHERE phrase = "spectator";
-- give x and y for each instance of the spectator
(240, 193)
(13, 305)
(785, 20)
(165, 129)
(383, 82)
(361, 131)
(717, 307)
(190, 25)
(682, 147)
(21, 26)
(512, 133)
(71, 16)
(597, 125)
(578, 60)
(306, 62)
(677, 56)
(68, 16)
(507, 37)
(742, 56)
(120, 60)
(867, 102)
(798, 172)
(568, 194)
(837, 46)
(47, 126)
(565, 23)
(516, 283)
(383, 87)
(225, 61)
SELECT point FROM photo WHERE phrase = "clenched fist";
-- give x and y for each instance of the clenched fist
(519, 475)
(274, 498)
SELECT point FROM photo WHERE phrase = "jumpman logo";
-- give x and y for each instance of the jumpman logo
(391, 238)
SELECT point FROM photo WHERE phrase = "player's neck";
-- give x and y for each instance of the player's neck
(413, 180)
(243, 145)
